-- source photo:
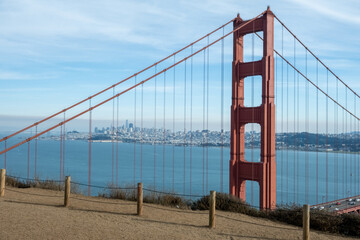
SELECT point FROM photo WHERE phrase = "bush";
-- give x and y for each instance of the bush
(350, 224)
(151, 197)
(226, 202)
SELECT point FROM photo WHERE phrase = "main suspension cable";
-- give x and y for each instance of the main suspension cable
(328, 69)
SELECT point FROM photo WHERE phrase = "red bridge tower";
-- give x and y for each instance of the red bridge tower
(263, 172)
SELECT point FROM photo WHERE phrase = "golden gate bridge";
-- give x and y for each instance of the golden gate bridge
(300, 96)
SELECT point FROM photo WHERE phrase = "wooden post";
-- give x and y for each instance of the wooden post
(306, 222)
(67, 191)
(212, 201)
(139, 199)
(2, 182)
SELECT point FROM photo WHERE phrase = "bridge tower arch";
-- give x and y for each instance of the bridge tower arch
(264, 172)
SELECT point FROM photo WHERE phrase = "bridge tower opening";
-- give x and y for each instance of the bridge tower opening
(264, 172)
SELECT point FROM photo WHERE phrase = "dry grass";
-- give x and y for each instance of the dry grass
(36, 183)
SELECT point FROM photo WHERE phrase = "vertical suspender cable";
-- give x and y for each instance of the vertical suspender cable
(350, 156)
(28, 161)
(164, 132)
(134, 167)
(207, 116)
(63, 154)
(191, 117)
(184, 122)
(112, 139)
(276, 91)
(294, 140)
(5, 154)
(252, 114)
(155, 130)
(287, 134)
(346, 146)
(307, 133)
(174, 133)
(282, 118)
(327, 133)
(355, 150)
(89, 176)
(142, 133)
(61, 142)
(297, 141)
(36, 130)
(343, 153)
(357, 155)
(336, 165)
(222, 118)
(317, 134)
(117, 142)
(203, 133)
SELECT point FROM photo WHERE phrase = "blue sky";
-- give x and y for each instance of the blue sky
(55, 53)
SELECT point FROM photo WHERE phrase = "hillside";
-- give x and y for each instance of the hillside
(38, 214)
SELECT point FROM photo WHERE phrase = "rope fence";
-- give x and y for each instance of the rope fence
(103, 187)
(174, 194)
(209, 202)
(191, 196)
(33, 179)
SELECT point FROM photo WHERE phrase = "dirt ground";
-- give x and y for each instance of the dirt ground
(38, 214)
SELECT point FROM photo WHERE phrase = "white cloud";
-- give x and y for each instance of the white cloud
(337, 10)
(6, 75)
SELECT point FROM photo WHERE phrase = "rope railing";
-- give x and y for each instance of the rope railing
(173, 194)
(284, 208)
(103, 187)
(118, 188)
(33, 179)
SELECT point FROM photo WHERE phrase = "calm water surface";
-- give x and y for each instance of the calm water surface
(342, 181)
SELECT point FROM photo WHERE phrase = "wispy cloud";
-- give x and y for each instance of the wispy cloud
(337, 10)
(10, 76)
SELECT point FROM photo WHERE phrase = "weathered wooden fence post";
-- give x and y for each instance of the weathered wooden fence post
(67, 191)
(139, 199)
(2, 182)
(212, 201)
(306, 222)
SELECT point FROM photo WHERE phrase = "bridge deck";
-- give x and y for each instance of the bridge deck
(344, 205)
